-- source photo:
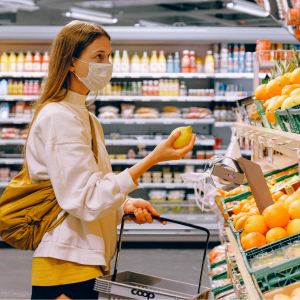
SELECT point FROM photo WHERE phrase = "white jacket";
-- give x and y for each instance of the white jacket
(59, 148)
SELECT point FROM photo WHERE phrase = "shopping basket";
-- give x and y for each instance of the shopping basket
(132, 285)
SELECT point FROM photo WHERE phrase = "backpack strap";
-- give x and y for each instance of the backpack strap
(94, 139)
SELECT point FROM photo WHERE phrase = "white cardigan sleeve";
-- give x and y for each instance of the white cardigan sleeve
(80, 188)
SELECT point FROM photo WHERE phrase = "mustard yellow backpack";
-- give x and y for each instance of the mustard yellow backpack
(27, 210)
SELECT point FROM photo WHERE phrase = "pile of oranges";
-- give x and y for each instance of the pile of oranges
(283, 91)
(276, 222)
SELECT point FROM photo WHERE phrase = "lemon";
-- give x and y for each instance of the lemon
(291, 101)
(184, 138)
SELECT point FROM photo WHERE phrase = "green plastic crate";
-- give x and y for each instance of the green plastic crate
(294, 118)
(219, 263)
(277, 276)
(222, 289)
(222, 275)
(282, 116)
(262, 114)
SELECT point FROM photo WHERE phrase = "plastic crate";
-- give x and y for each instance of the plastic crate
(238, 197)
(277, 276)
(289, 168)
(235, 232)
(222, 289)
(294, 118)
(282, 116)
(262, 114)
(222, 275)
(219, 263)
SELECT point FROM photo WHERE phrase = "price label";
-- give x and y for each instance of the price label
(252, 150)
(241, 141)
(270, 155)
(260, 150)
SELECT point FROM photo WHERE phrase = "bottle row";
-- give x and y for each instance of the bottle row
(19, 87)
(24, 63)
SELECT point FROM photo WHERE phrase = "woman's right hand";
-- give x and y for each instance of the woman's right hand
(165, 150)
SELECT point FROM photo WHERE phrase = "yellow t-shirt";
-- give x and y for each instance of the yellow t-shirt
(48, 271)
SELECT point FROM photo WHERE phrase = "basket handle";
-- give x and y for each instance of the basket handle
(119, 245)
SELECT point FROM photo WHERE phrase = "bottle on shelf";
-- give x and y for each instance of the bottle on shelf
(199, 64)
(117, 62)
(124, 88)
(45, 62)
(36, 87)
(150, 88)
(162, 62)
(145, 88)
(161, 87)
(170, 63)
(125, 64)
(153, 62)
(155, 88)
(20, 62)
(177, 63)
(209, 64)
(223, 113)
(9, 87)
(182, 89)
(119, 89)
(4, 62)
(15, 88)
(3, 87)
(30, 87)
(37, 62)
(176, 84)
(145, 63)
(134, 89)
(217, 113)
(28, 62)
(139, 88)
(25, 88)
(12, 62)
(185, 62)
(135, 63)
(193, 67)
(20, 87)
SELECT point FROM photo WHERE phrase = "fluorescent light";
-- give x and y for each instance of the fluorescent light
(90, 15)
(247, 8)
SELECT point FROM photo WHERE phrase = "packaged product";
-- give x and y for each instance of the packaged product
(292, 250)
(218, 253)
(121, 156)
(188, 155)
(146, 113)
(108, 112)
(158, 196)
(269, 259)
(218, 269)
(171, 112)
(220, 282)
(127, 111)
(9, 133)
(24, 133)
(196, 113)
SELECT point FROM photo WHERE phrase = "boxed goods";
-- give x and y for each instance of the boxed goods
(108, 112)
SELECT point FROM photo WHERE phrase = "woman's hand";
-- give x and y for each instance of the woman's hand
(142, 210)
(165, 150)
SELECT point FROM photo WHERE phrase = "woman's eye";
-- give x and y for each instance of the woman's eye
(99, 55)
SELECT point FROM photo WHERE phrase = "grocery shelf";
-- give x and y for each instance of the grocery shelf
(3, 184)
(12, 142)
(157, 121)
(19, 97)
(169, 98)
(166, 185)
(154, 142)
(23, 74)
(11, 161)
(223, 124)
(15, 120)
(171, 162)
(223, 152)
(241, 265)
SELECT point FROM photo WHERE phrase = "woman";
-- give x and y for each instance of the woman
(59, 148)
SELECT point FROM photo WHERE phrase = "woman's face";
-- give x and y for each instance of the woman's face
(97, 52)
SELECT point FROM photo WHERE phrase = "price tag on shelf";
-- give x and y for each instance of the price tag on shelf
(260, 148)
(270, 152)
(241, 141)
(135, 75)
(246, 143)
(253, 150)
(298, 154)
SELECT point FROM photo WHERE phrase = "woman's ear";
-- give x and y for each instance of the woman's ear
(72, 68)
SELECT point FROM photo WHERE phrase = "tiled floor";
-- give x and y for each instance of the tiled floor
(177, 264)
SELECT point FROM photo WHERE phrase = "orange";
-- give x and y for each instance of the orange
(295, 292)
(281, 297)
(295, 92)
(253, 211)
(253, 239)
(269, 112)
(290, 199)
(289, 88)
(294, 210)
(240, 224)
(282, 198)
(275, 86)
(265, 105)
(288, 75)
(280, 100)
(293, 227)
(276, 216)
(237, 218)
(284, 79)
(260, 92)
(277, 195)
(256, 223)
(236, 209)
(295, 77)
(275, 234)
(243, 234)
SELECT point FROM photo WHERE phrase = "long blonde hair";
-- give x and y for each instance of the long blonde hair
(70, 42)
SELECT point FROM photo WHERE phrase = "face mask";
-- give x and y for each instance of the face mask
(98, 77)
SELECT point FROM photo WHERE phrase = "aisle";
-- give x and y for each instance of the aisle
(182, 265)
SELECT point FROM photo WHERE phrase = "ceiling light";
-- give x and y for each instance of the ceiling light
(91, 15)
(28, 5)
(247, 8)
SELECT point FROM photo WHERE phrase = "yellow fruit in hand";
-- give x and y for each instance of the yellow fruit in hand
(184, 138)
(256, 223)
(275, 234)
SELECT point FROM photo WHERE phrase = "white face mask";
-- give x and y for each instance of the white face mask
(98, 77)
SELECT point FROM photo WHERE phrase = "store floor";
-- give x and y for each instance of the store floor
(177, 264)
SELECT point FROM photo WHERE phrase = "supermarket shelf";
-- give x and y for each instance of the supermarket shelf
(223, 152)
(157, 121)
(15, 121)
(172, 232)
(11, 161)
(19, 97)
(171, 162)
(242, 268)
(169, 98)
(3, 184)
(154, 142)
(166, 185)
(12, 142)
(223, 124)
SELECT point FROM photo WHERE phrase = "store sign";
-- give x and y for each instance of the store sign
(142, 294)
